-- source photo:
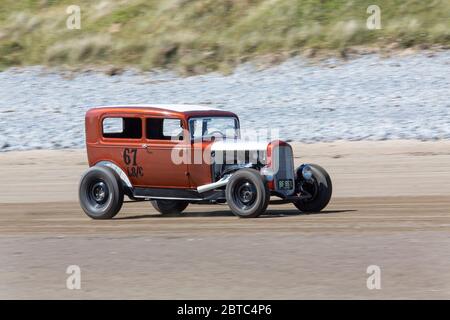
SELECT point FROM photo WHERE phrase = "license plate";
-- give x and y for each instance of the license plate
(285, 184)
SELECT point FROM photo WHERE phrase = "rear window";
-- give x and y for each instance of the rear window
(123, 128)
(164, 129)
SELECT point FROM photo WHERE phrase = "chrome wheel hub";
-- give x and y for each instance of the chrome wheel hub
(99, 192)
(245, 194)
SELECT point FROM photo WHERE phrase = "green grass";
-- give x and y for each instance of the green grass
(194, 36)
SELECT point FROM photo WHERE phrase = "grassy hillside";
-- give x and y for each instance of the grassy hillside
(203, 35)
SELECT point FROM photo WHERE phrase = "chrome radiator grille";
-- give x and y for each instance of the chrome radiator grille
(283, 164)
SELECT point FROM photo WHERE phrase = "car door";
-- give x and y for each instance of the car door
(158, 162)
(121, 143)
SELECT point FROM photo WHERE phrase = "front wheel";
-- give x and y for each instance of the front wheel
(246, 193)
(318, 187)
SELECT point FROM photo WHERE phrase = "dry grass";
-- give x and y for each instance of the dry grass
(194, 36)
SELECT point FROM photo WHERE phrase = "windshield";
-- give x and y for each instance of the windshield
(205, 128)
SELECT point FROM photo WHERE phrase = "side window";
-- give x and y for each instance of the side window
(164, 129)
(123, 128)
(196, 128)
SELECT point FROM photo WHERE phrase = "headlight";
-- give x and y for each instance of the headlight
(267, 173)
(307, 172)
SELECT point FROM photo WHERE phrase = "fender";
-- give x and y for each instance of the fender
(122, 175)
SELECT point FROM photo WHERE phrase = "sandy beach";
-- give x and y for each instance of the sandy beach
(391, 208)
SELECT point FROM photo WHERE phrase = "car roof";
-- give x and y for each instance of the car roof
(168, 107)
(185, 109)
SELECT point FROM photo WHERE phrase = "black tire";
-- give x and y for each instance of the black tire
(321, 189)
(169, 207)
(100, 193)
(247, 194)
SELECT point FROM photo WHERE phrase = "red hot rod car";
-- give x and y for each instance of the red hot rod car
(174, 155)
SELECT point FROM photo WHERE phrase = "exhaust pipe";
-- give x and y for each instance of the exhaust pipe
(211, 186)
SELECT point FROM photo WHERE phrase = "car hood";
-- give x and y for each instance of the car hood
(239, 145)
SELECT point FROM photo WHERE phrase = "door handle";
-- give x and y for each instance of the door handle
(147, 147)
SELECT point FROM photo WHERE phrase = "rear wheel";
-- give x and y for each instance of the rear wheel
(100, 193)
(319, 187)
(168, 207)
(246, 193)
